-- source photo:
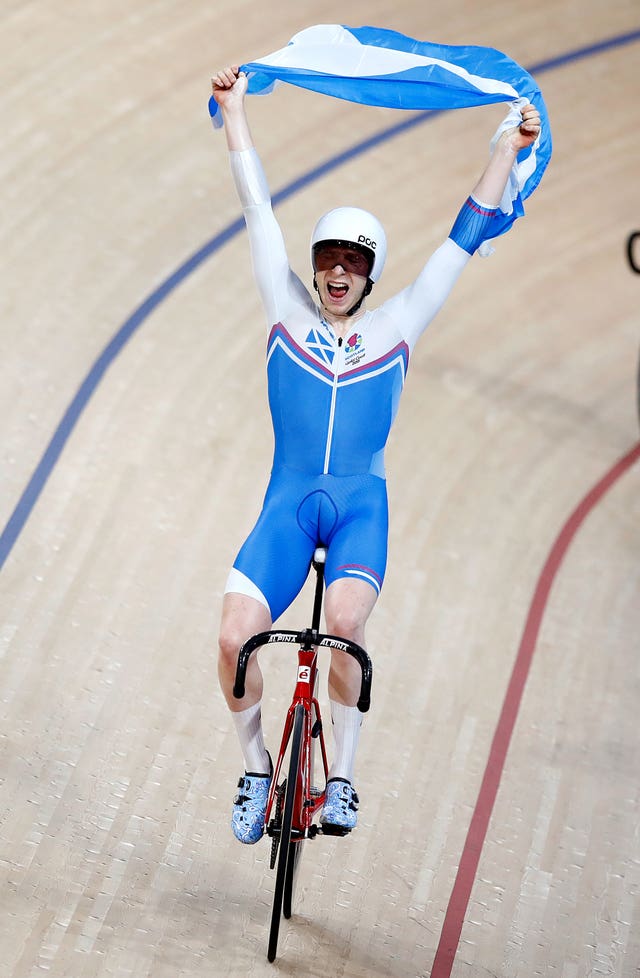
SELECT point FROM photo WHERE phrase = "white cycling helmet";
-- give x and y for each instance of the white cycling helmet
(357, 228)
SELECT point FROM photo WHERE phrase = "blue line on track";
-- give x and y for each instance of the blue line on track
(70, 418)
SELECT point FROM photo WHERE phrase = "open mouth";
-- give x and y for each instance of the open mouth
(337, 290)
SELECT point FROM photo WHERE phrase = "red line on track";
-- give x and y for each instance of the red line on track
(461, 893)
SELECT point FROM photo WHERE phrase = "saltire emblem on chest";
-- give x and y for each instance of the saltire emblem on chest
(317, 363)
(320, 345)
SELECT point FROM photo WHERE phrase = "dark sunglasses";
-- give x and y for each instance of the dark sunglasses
(326, 257)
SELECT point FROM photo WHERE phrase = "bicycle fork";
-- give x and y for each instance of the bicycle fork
(309, 797)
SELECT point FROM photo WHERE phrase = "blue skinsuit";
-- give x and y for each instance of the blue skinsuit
(332, 404)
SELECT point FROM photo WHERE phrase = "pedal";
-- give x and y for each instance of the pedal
(335, 830)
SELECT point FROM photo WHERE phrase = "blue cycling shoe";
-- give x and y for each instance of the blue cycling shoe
(250, 807)
(340, 809)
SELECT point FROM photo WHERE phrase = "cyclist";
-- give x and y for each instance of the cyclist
(335, 374)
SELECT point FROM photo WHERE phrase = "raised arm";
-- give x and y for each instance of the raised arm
(229, 89)
(473, 222)
(490, 186)
(417, 305)
(277, 284)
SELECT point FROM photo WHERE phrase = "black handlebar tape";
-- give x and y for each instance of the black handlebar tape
(256, 641)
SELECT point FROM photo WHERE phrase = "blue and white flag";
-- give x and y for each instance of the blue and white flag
(374, 66)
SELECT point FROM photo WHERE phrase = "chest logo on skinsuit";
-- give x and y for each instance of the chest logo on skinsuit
(354, 349)
(320, 346)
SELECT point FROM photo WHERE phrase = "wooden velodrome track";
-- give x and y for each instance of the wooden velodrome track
(499, 820)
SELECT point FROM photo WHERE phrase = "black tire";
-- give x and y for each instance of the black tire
(285, 874)
(293, 862)
(295, 848)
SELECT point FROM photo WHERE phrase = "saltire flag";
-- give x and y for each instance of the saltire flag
(375, 66)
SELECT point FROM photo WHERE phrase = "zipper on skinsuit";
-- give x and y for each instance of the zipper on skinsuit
(334, 393)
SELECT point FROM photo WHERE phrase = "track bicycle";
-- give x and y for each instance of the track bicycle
(297, 791)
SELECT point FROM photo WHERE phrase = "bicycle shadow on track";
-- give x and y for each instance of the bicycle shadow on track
(316, 949)
(232, 916)
(228, 917)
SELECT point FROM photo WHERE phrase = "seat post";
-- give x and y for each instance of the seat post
(319, 558)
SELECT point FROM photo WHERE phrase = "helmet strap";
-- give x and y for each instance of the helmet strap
(365, 292)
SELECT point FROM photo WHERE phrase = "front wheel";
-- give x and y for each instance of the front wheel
(287, 855)
(295, 847)
(295, 851)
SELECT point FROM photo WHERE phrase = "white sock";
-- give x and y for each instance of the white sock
(249, 727)
(347, 721)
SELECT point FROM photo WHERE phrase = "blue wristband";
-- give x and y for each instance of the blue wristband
(472, 224)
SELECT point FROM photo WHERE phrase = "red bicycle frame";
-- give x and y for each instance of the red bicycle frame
(308, 800)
